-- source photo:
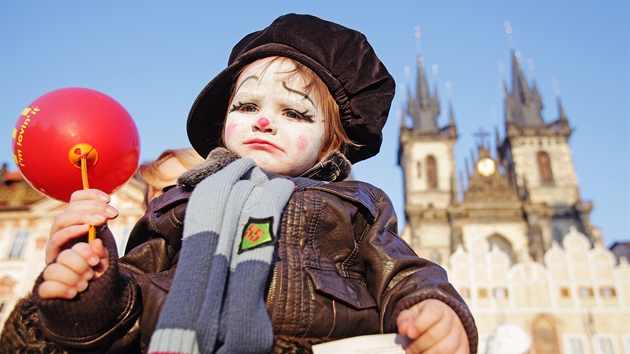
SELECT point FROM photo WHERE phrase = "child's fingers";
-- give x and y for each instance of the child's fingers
(454, 343)
(434, 340)
(89, 194)
(90, 252)
(60, 240)
(53, 289)
(99, 256)
(63, 275)
(434, 328)
(77, 262)
(86, 207)
(99, 249)
(85, 212)
(417, 319)
(405, 319)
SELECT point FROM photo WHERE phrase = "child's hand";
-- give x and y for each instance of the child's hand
(86, 207)
(433, 327)
(77, 262)
(73, 270)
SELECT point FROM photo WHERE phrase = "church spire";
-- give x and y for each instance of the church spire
(561, 115)
(451, 115)
(422, 87)
(425, 108)
(525, 103)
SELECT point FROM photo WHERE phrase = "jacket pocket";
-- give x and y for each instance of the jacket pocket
(352, 292)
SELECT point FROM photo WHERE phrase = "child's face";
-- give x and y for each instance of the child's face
(273, 121)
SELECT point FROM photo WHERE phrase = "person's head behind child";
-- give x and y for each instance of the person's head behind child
(282, 116)
(165, 170)
(318, 86)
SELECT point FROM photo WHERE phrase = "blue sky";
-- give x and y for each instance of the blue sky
(155, 56)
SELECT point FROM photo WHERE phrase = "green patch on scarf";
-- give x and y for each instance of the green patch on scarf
(257, 232)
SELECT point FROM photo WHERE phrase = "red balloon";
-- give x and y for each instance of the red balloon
(59, 128)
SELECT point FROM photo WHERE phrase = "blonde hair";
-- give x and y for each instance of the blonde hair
(150, 171)
(152, 175)
(335, 135)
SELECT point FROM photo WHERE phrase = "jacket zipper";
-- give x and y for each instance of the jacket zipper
(271, 295)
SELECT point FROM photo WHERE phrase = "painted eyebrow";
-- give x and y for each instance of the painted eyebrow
(251, 77)
(284, 84)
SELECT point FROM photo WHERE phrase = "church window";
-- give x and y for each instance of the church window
(432, 172)
(607, 291)
(483, 293)
(500, 293)
(574, 345)
(19, 245)
(503, 244)
(544, 165)
(585, 292)
(604, 345)
(465, 292)
(564, 292)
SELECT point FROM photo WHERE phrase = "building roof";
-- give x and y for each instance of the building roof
(15, 192)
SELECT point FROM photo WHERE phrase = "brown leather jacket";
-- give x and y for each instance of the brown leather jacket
(341, 270)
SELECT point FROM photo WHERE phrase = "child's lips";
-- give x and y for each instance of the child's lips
(262, 144)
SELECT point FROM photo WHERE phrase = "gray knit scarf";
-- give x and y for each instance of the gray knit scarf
(216, 302)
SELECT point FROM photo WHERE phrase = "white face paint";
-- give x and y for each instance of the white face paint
(272, 121)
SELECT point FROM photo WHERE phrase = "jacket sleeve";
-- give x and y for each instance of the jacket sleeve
(96, 317)
(106, 317)
(403, 279)
(21, 332)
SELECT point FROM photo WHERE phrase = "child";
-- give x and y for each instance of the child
(278, 252)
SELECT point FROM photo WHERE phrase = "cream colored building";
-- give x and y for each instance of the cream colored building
(513, 233)
(26, 217)
(576, 301)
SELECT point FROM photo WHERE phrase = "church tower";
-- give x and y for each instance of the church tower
(426, 155)
(522, 200)
(538, 161)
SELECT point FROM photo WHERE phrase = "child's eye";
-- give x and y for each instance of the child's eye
(244, 107)
(293, 114)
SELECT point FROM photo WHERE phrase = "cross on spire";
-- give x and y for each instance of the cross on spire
(481, 135)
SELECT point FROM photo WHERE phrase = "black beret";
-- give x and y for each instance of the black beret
(341, 57)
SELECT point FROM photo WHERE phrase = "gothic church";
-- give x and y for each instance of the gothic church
(517, 241)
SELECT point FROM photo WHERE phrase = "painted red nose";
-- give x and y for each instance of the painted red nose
(263, 122)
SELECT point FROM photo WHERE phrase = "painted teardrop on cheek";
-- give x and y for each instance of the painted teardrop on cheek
(302, 143)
